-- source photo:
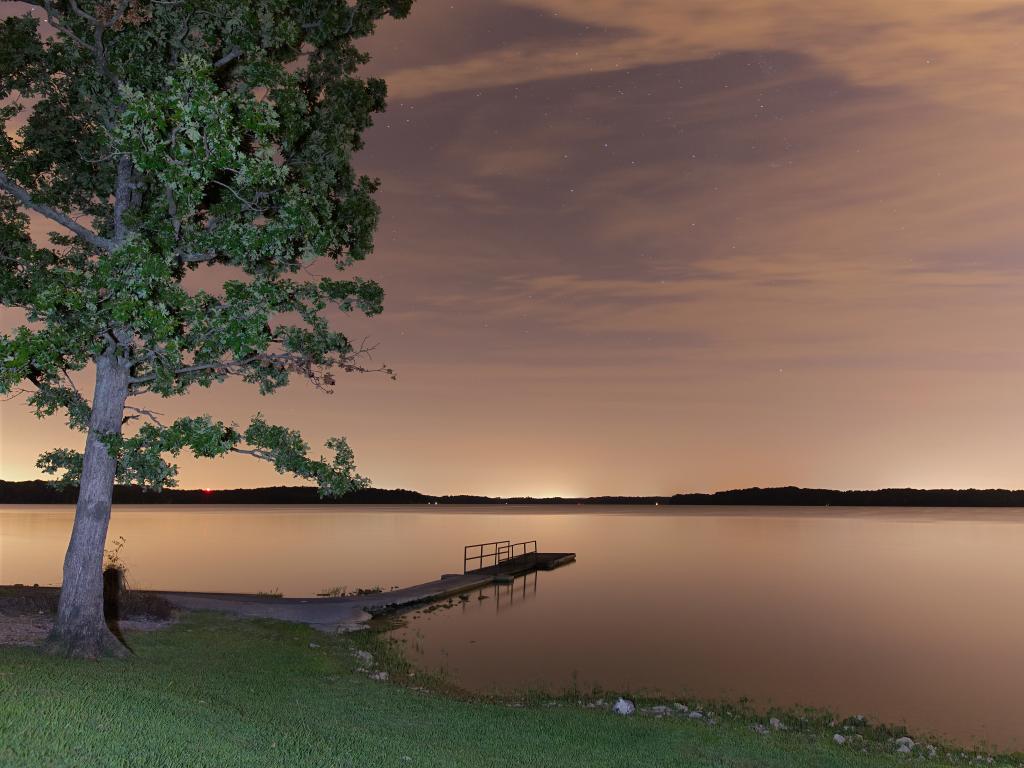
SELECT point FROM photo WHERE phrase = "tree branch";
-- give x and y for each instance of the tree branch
(57, 22)
(140, 412)
(196, 258)
(227, 58)
(265, 455)
(23, 196)
(122, 197)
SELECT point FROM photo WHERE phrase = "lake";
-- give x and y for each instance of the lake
(903, 615)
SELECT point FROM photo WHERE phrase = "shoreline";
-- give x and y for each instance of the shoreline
(858, 732)
(383, 660)
(370, 634)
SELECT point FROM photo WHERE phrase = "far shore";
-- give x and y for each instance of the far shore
(42, 492)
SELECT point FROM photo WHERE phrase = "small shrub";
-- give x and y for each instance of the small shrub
(112, 556)
(333, 592)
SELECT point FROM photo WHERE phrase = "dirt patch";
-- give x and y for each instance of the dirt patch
(24, 630)
(23, 601)
(144, 625)
(27, 613)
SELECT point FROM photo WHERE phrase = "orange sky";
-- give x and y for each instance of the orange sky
(646, 247)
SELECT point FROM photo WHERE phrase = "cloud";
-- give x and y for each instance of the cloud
(939, 50)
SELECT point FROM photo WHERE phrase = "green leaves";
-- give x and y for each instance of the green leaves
(141, 457)
(190, 132)
(62, 460)
(286, 449)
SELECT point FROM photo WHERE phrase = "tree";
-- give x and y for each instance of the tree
(160, 137)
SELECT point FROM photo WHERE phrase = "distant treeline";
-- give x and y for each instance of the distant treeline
(40, 492)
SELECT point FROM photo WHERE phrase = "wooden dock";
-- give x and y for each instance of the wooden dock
(339, 614)
(507, 570)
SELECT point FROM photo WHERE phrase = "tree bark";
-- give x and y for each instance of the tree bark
(81, 630)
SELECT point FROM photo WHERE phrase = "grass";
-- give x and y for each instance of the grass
(213, 691)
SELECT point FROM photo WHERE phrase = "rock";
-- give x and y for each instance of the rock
(382, 676)
(776, 724)
(839, 738)
(364, 657)
(658, 711)
(759, 728)
(314, 645)
(695, 715)
(623, 707)
(904, 744)
(681, 707)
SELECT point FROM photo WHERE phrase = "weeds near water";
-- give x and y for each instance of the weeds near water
(271, 593)
(343, 591)
(333, 592)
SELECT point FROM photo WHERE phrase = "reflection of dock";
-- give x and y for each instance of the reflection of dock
(503, 595)
(498, 563)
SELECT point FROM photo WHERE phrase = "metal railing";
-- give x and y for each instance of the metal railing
(495, 552)
(519, 549)
(486, 551)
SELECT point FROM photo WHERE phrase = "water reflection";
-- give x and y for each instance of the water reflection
(501, 597)
(521, 589)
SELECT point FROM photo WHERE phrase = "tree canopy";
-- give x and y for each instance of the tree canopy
(160, 137)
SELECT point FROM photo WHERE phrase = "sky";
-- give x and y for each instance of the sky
(653, 246)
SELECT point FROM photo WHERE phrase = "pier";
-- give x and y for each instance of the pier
(497, 562)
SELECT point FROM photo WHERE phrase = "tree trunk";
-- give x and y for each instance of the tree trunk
(81, 630)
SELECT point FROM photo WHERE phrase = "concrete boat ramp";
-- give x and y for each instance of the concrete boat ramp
(343, 614)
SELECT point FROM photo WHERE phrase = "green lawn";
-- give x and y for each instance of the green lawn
(212, 691)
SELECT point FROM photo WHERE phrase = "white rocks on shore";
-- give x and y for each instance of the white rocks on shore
(659, 710)
(904, 744)
(839, 738)
(623, 707)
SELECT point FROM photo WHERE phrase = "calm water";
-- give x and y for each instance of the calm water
(904, 615)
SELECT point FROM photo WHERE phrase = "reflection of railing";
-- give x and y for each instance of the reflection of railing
(495, 552)
(508, 595)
